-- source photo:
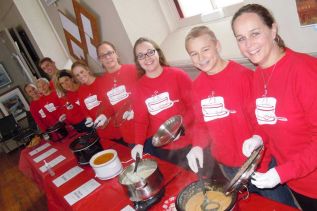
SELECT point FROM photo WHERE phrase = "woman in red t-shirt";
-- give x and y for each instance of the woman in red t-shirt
(67, 89)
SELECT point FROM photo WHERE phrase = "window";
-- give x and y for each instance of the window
(188, 8)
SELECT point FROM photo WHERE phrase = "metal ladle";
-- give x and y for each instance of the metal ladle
(206, 203)
(137, 161)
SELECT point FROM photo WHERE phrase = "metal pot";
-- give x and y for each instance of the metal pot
(193, 193)
(228, 189)
(56, 132)
(85, 146)
(143, 184)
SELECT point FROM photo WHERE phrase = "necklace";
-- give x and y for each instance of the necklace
(266, 82)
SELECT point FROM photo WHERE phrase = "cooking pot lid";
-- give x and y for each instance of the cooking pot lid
(245, 171)
(83, 141)
(57, 126)
(168, 131)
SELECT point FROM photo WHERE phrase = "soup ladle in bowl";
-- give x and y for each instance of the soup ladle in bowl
(207, 205)
(137, 161)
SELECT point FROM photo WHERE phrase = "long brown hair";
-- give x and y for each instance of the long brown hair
(264, 14)
(162, 58)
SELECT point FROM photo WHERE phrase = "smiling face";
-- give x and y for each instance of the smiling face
(83, 75)
(43, 87)
(108, 57)
(148, 59)
(255, 39)
(49, 68)
(204, 53)
(66, 83)
(32, 91)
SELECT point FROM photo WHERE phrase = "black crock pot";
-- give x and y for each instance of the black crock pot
(85, 146)
(57, 132)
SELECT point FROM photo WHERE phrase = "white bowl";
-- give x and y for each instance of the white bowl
(108, 169)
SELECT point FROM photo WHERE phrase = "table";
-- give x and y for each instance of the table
(110, 195)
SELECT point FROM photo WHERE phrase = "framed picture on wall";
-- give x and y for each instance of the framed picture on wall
(4, 77)
(14, 102)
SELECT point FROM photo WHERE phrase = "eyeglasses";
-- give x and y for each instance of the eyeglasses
(105, 55)
(141, 56)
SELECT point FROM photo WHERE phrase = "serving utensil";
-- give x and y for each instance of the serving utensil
(207, 205)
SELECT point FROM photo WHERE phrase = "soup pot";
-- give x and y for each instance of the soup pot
(222, 194)
(56, 132)
(106, 164)
(192, 197)
(85, 146)
(143, 184)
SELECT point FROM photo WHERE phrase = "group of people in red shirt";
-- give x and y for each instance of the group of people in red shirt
(228, 109)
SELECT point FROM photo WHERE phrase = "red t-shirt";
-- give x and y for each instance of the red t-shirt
(157, 99)
(291, 124)
(118, 87)
(93, 103)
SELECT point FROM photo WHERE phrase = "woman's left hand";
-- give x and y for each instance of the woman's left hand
(270, 179)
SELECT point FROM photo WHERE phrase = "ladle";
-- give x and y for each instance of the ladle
(137, 161)
(206, 203)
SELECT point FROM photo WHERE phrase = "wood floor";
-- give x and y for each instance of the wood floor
(18, 192)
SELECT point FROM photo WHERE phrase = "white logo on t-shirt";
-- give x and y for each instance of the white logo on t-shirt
(159, 102)
(214, 108)
(265, 111)
(91, 102)
(117, 94)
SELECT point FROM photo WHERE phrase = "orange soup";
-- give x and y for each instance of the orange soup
(101, 159)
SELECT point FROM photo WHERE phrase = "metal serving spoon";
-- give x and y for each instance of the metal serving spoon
(207, 205)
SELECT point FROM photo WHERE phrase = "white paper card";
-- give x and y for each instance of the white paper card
(128, 208)
(44, 155)
(82, 191)
(52, 163)
(67, 176)
(39, 149)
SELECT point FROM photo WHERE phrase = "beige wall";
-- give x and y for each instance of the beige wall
(122, 22)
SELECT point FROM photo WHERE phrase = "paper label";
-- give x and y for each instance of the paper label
(71, 173)
(44, 155)
(82, 191)
(52, 163)
(39, 149)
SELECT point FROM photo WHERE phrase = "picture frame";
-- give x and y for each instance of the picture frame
(307, 12)
(4, 77)
(14, 102)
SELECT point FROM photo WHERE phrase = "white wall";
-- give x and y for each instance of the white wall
(123, 21)
(41, 31)
(142, 18)
(303, 39)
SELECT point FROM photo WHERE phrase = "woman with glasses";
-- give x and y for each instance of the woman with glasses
(119, 80)
(161, 93)
(93, 103)
(67, 88)
(285, 91)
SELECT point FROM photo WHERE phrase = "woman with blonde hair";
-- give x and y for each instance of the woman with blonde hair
(91, 95)
(67, 88)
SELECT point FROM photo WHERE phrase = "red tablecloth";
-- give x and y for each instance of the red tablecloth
(111, 195)
(31, 169)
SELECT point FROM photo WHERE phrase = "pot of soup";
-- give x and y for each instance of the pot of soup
(85, 146)
(192, 197)
(56, 132)
(144, 183)
(221, 195)
(106, 164)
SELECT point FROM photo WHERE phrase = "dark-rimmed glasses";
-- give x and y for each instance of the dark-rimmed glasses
(141, 56)
(105, 55)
